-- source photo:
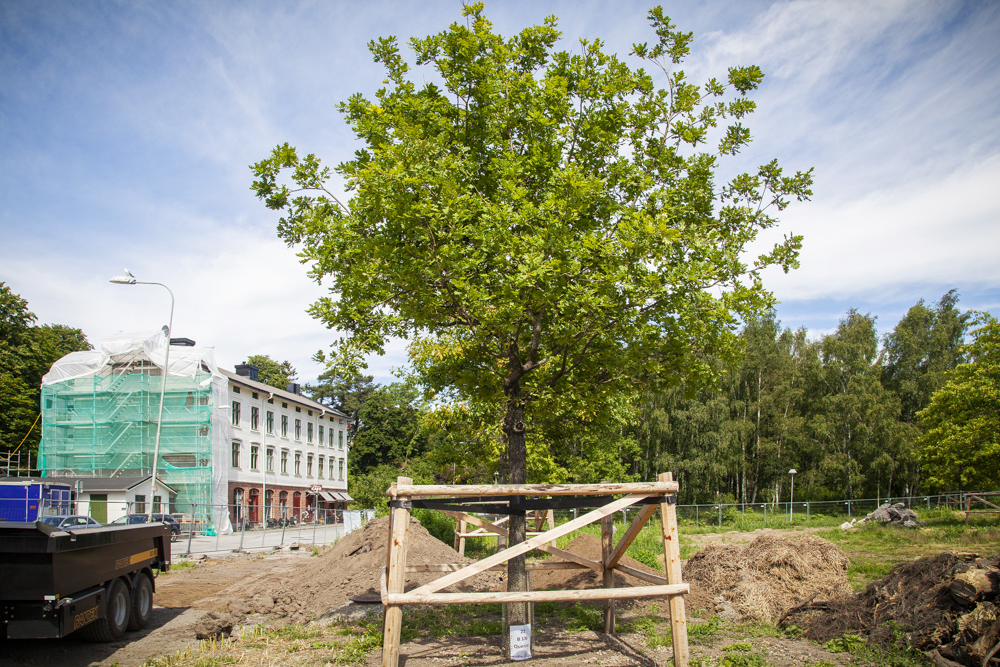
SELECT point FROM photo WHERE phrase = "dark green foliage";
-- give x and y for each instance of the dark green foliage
(273, 373)
(27, 352)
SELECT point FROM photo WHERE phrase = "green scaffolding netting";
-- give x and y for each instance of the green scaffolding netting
(105, 426)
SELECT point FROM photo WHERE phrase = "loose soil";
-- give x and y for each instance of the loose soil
(770, 575)
(928, 601)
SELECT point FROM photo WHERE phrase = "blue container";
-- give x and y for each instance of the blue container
(27, 500)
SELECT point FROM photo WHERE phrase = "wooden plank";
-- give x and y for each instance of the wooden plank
(630, 534)
(455, 567)
(640, 574)
(580, 560)
(607, 546)
(986, 502)
(672, 565)
(395, 581)
(539, 596)
(528, 545)
(461, 490)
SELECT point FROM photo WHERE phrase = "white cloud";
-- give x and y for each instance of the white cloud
(927, 234)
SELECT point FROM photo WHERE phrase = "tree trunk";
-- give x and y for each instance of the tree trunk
(517, 460)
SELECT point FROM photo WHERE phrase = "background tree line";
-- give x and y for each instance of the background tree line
(844, 409)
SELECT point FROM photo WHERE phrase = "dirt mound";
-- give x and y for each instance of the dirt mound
(761, 581)
(351, 567)
(946, 605)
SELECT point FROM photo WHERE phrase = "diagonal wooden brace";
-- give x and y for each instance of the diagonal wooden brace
(529, 545)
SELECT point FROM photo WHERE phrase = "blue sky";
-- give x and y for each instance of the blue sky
(126, 131)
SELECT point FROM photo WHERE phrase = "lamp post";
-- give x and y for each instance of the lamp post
(791, 498)
(129, 279)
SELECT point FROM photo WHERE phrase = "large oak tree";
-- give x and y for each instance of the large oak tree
(545, 225)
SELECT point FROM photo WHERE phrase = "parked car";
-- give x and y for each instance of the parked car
(175, 525)
(64, 521)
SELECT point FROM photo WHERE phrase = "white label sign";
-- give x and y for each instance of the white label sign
(520, 642)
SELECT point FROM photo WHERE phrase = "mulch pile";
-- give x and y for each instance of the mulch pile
(944, 605)
(771, 574)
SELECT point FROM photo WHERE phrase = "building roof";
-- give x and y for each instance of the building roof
(281, 393)
(98, 484)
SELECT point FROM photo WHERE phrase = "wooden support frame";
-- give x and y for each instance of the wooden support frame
(670, 586)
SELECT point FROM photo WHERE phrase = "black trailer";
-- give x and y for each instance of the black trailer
(96, 580)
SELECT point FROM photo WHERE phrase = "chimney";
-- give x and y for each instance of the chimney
(248, 371)
(294, 388)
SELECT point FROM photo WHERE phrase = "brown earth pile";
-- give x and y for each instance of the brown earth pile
(351, 567)
(946, 605)
(761, 581)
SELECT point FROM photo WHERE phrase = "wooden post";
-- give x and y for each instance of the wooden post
(460, 538)
(672, 565)
(551, 516)
(607, 548)
(395, 579)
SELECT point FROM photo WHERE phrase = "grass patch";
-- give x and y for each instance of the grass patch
(574, 618)
(470, 620)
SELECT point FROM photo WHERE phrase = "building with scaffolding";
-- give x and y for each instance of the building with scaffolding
(99, 420)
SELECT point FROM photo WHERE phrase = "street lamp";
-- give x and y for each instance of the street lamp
(791, 499)
(129, 279)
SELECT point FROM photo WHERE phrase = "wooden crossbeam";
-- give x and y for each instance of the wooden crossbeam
(414, 597)
(528, 545)
(464, 490)
(984, 501)
(455, 567)
(639, 574)
(630, 534)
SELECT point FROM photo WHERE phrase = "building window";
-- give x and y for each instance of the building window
(331, 467)
(140, 504)
(309, 432)
(298, 429)
(236, 389)
(298, 463)
(284, 426)
(254, 419)
(284, 405)
(284, 461)
(340, 466)
(254, 449)
(269, 421)
(319, 468)
(236, 455)
(236, 413)
(319, 439)
(340, 439)
(331, 437)
(298, 409)
(157, 504)
(309, 465)
(283, 503)
(269, 461)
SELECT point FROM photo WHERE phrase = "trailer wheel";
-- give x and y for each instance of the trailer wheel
(142, 603)
(113, 625)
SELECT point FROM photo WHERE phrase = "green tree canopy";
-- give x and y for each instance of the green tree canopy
(960, 446)
(545, 225)
(27, 352)
(921, 349)
(272, 373)
(346, 393)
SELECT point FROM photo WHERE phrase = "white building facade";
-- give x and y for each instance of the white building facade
(288, 454)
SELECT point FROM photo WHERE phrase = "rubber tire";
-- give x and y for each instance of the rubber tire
(115, 622)
(142, 603)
